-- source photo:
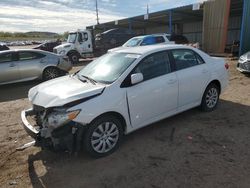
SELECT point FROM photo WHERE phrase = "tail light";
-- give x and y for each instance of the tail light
(226, 66)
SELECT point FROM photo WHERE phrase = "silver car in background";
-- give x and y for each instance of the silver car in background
(244, 63)
(29, 64)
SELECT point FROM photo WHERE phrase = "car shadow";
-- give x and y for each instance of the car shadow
(16, 91)
(159, 154)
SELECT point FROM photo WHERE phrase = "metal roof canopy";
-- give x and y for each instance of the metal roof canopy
(161, 18)
(184, 14)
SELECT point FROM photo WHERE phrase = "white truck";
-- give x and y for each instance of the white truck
(81, 43)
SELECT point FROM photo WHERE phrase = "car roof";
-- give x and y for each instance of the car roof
(22, 50)
(151, 35)
(150, 48)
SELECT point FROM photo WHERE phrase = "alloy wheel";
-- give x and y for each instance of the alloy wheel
(105, 137)
(212, 97)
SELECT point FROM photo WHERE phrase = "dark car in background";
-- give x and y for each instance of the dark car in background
(48, 46)
(178, 39)
(112, 38)
(3, 47)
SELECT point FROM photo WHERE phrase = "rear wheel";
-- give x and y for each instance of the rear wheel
(74, 57)
(103, 136)
(51, 73)
(210, 98)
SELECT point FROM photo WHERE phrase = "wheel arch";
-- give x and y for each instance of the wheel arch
(115, 114)
(73, 51)
(217, 83)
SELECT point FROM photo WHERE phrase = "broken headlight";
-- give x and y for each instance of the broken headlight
(60, 117)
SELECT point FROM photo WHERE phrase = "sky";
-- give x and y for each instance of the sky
(67, 15)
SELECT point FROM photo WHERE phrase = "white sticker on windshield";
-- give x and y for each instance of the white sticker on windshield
(134, 56)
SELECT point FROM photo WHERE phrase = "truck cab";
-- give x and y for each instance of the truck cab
(79, 44)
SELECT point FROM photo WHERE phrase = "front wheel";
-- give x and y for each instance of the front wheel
(210, 98)
(103, 136)
(74, 58)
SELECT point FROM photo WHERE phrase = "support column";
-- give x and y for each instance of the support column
(170, 29)
(245, 28)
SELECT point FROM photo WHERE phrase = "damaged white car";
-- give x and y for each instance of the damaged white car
(120, 92)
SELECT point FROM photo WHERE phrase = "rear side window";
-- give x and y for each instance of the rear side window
(159, 39)
(7, 57)
(185, 58)
(23, 56)
(154, 65)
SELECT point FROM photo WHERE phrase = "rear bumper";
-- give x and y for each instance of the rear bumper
(30, 129)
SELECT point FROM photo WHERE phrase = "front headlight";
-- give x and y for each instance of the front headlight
(61, 117)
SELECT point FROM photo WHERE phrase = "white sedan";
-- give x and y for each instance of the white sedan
(123, 91)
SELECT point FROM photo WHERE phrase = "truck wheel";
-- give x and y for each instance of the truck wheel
(74, 57)
(103, 136)
(51, 73)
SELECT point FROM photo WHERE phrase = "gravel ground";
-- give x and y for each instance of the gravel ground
(192, 149)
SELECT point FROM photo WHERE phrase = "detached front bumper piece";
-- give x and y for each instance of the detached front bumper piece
(31, 130)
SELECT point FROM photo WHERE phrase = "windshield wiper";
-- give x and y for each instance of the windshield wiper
(90, 79)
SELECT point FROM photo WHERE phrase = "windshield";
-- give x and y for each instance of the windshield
(133, 42)
(72, 38)
(109, 67)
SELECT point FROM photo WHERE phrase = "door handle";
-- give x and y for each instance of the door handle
(172, 81)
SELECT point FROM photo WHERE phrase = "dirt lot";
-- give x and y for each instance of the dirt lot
(192, 149)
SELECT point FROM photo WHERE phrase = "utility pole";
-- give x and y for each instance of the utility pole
(97, 16)
(147, 10)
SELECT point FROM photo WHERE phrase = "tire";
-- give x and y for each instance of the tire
(103, 136)
(51, 73)
(74, 57)
(210, 98)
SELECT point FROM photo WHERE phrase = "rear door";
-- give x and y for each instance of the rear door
(9, 70)
(193, 76)
(31, 64)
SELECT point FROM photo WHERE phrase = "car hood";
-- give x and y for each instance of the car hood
(62, 46)
(63, 90)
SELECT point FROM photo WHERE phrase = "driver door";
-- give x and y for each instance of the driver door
(157, 95)
(84, 43)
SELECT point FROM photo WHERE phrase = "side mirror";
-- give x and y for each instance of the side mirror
(136, 78)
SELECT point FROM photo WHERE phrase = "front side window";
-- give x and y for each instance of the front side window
(154, 65)
(185, 58)
(7, 57)
(109, 67)
(23, 56)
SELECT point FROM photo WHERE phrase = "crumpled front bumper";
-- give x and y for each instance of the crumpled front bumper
(30, 129)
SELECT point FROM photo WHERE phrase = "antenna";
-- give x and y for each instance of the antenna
(97, 16)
